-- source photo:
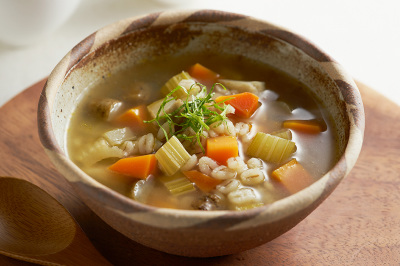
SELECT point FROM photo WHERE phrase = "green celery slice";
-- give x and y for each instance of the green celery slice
(284, 133)
(169, 107)
(172, 156)
(119, 135)
(177, 184)
(173, 82)
(271, 148)
(254, 87)
(249, 206)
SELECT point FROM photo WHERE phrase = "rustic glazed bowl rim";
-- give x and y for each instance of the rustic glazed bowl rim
(348, 89)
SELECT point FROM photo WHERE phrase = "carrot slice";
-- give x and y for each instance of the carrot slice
(293, 176)
(204, 182)
(137, 167)
(134, 117)
(307, 126)
(245, 103)
(222, 148)
(203, 74)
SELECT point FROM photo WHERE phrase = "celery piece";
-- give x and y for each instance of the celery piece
(249, 206)
(271, 148)
(173, 82)
(283, 107)
(119, 135)
(283, 133)
(169, 107)
(254, 87)
(172, 156)
(154, 106)
(97, 151)
(190, 86)
(177, 184)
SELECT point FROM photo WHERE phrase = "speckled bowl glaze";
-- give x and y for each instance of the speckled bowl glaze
(197, 233)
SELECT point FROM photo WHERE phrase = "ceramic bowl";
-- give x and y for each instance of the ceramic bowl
(185, 232)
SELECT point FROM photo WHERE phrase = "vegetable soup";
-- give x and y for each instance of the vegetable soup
(201, 131)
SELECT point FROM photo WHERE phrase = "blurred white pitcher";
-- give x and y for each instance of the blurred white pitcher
(24, 22)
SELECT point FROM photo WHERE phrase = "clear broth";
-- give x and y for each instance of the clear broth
(316, 152)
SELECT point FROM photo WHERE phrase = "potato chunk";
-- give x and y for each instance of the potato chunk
(106, 108)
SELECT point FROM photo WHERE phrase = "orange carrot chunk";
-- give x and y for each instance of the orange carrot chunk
(134, 117)
(245, 103)
(203, 74)
(293, 176)
(204, 182)
(137, 167)
(222, 148)
(307, 126)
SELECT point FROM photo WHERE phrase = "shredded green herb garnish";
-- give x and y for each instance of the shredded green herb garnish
(197, 112)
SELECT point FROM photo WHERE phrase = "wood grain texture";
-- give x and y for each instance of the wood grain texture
(357, 225)
(34, 227)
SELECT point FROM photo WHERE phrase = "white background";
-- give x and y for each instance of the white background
(363, 36)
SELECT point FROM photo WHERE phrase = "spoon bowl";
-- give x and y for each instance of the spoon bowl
(35, 227)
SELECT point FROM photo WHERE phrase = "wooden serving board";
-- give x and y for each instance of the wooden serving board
(359, 224)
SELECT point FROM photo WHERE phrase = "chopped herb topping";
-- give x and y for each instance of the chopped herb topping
(197, 112)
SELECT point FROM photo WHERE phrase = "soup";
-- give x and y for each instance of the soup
(203, 132)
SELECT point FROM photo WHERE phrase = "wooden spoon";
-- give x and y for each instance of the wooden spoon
(35, 227)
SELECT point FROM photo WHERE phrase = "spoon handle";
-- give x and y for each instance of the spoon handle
(79, 252)
(28, 259)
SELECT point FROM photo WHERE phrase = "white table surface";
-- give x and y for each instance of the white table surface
(362, 35)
